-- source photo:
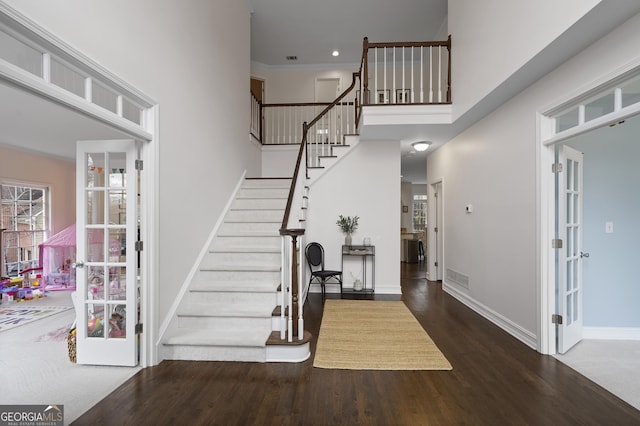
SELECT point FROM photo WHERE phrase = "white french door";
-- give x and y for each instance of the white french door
(106, 264)
(569, 278)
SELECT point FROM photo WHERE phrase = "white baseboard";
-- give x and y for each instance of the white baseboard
(611, 333)
(525, 336)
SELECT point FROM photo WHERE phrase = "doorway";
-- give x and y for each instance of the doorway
(607, 248)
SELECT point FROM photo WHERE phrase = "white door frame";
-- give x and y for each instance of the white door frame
(433, 254)
(147, 132)
(546, 140)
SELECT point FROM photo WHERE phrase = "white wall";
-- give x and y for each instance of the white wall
(492, 165)
(297, 84)
(195, 62)
(17, 166)
(364, 183)
(492, 41)
(279, 161)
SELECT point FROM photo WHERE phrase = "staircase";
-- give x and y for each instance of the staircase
(226, 314)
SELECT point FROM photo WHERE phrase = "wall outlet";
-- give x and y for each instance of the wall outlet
(608, 227)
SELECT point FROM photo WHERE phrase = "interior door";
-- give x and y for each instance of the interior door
(569, 219)
(106, 264)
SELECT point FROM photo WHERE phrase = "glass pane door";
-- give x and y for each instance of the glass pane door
(106, 261)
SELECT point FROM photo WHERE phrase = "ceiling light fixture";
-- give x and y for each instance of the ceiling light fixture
(421, 146)
(335, 53)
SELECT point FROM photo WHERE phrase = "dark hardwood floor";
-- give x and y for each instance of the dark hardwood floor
(496, 380)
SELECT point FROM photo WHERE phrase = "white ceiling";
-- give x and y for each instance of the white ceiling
(312, 29)
(37, 124)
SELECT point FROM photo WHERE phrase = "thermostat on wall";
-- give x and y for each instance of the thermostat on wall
(468, 208)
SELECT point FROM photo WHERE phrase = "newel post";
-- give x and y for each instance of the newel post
(365, 77)
(295, 304)
(449, 72)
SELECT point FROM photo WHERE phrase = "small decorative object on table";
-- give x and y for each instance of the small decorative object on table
(348, 226)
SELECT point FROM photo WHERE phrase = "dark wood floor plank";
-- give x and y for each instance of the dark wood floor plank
(496, 380)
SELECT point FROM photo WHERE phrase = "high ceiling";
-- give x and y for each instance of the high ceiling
(312, 30)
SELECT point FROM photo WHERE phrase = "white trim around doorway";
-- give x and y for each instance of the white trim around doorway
(149, 152)
(546, 141)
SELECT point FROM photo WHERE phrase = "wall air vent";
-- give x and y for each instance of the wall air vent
(292, 58)
(458, 278)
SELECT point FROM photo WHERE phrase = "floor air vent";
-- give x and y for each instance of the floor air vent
(458, 278)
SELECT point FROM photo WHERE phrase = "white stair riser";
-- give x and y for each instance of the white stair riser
(282, 193)
(328, 162)
(288, 353)
(221, 243)
(225, 323)
(272, 216)
(231, 298)
(247, 259)
(214, 353)
(261, 228)
(267, 183)
(259, 203)
(209, 278)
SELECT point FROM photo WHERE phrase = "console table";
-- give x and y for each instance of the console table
(366, 255)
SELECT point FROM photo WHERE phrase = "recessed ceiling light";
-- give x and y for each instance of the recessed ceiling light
(421, 146)
(335, 53)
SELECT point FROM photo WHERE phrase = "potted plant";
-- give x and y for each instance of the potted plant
(348, 226)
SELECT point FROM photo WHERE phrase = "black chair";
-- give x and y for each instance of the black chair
(420, 250)
(315, 258)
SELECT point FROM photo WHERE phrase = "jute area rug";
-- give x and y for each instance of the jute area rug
(374, 335)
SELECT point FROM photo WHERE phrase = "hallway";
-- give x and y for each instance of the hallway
(495, 380)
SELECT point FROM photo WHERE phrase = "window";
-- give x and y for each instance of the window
(419, 213)
(25, 222)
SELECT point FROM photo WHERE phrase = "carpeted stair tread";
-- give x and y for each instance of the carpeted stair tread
(219, 338)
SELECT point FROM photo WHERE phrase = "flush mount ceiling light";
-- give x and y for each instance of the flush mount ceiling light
(335, 53)
(421, 146)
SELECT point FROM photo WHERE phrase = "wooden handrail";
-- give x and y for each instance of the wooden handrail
(303, 104)
(411, 44)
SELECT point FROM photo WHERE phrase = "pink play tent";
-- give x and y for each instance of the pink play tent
(56, 256)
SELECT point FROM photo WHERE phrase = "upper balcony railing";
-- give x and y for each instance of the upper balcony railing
(407, 73)
(417, 73)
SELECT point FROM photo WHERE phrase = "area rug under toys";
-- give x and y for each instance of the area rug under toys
(15, 316)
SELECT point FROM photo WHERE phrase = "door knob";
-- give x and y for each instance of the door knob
(583, 254)
(77, 265)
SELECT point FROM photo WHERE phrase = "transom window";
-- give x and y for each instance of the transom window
(605, 101)
(24, 221)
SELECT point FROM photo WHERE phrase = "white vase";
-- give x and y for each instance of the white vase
(347, 240)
